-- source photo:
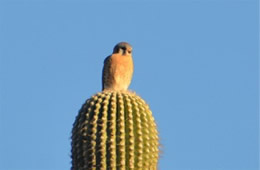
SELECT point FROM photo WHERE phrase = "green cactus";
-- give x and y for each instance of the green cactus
(115, 130)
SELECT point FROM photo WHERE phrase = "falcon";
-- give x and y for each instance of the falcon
(118, 68)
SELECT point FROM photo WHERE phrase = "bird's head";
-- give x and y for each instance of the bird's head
(123, 48)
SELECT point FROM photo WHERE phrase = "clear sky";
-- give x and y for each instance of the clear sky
(196, 65)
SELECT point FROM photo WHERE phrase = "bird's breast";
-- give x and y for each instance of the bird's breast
(122, 70)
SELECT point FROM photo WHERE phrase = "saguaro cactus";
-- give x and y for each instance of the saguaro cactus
(115, 130)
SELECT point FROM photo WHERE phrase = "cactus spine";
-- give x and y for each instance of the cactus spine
(114, 130)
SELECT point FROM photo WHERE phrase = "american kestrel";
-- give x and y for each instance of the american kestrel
(118, 68)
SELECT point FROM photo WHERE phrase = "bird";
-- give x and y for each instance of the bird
(118, 68)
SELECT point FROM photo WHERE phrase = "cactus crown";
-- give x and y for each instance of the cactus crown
(114, 130)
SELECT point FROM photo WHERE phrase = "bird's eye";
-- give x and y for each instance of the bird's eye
(123, 48)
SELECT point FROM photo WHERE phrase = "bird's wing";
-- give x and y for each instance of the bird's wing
(105, 71)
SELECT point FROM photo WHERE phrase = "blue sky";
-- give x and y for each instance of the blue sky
(196, 65)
